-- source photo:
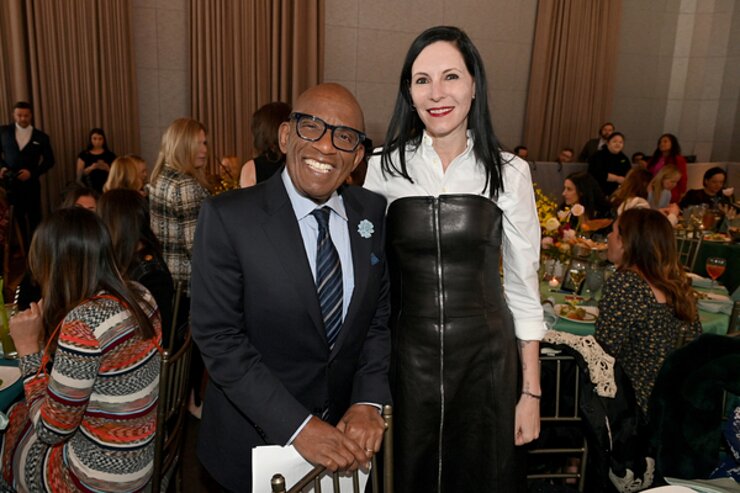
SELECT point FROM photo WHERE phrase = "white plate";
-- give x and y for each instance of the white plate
(716, 297)
(591, 314)
(9, 375)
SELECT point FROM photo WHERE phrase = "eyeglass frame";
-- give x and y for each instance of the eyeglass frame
(298, 116)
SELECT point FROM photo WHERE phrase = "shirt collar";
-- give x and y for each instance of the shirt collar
(427, 142)
(303, 206)
(28, 129)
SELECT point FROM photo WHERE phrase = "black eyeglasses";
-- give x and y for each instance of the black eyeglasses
(311, 128)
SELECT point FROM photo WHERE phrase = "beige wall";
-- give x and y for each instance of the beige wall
(679, 72)
(678, 65)
(366, 42)
(161, 46)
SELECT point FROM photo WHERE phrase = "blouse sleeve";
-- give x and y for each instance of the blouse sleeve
(188, 206)
(374, 178)
(521, 250)
(57, 402)
(618, 312)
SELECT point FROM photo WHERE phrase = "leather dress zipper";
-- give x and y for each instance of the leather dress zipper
(440, 295)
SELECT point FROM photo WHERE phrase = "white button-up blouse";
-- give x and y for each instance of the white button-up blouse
(521, 229)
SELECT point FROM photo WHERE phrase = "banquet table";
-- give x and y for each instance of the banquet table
(12, 393)
(714, 323)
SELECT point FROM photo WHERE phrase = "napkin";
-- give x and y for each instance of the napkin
(548, 309)
(699, 282)
(269, 459)
(716, 303)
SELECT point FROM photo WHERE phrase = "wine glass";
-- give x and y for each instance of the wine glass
(715, 268)
(577, 273)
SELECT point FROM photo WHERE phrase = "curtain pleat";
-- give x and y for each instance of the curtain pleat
(245, 54)
(572, 74)
(74, 61)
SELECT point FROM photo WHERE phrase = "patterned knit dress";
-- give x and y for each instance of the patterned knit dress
(88, 425)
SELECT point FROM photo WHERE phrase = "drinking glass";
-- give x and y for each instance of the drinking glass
(715, 268)
(9, 351)
(594, 281)
(577, 273)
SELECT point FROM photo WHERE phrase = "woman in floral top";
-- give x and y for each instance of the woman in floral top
(648, 308)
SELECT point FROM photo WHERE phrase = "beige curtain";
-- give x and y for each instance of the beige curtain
(572, 74)
(248, 53)
(74, 61)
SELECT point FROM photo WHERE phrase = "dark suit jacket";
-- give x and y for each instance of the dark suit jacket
(37, 156)
(590, 148)
(257, 321)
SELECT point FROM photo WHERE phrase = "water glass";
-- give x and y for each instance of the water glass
(6, 341)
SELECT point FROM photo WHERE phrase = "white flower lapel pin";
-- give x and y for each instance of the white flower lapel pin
(365, 228)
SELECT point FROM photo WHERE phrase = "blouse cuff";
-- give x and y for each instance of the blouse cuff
(530, 330)
(30, 364)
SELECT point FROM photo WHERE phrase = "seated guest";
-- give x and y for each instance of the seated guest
(668, 152)
(128, 172)
(648, 308)
(93, 164)
(77, 196)
(610, 165)
(87, 423)
(265, 124)
(661, 186)
(522, 152)
(581, 188)
(565, 156)
(633, 192)
(711, 193)
(593, 146)
(638, 159)
(137, 250)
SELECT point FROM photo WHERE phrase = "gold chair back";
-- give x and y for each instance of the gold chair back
(688, 250)
(557, 414)
(171, 416)
(734, 328)
(313, 477)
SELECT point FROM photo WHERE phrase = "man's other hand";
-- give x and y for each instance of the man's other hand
(320, 443)
(24, 175)
(363, 424)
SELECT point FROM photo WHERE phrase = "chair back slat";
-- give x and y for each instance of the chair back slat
(171, 412)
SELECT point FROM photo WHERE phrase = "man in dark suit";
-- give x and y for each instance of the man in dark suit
(25, 155)
(289, 364)
(592, 146)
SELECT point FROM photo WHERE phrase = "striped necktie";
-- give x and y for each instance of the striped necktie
(328, 277)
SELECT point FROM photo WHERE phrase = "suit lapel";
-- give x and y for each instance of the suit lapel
(282, 229)
(361, 249)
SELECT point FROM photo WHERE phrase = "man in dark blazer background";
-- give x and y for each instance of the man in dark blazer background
(25, 155)
(592, 146)
(276, 377)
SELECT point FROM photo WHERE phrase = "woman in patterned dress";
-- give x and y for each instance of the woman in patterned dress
(648, 308)
(89, 417)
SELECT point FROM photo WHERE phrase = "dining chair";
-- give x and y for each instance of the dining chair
(313, 477)
(688, 251)
(176, 324)
(733, 329)
(561, 410)
(171, 417)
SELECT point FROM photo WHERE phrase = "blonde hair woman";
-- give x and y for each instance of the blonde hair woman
(660, 188)
(127, 172)
(177, 191)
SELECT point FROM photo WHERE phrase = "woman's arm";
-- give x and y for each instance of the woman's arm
(80, 170)
(521, 253)
(248, 175)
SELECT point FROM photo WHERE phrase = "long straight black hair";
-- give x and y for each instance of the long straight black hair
(406, 128)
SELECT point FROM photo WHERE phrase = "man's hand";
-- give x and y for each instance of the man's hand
(363, 424)
(321, 443)
(24, 175)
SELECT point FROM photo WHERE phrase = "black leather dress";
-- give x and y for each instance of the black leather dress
(454, 361)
